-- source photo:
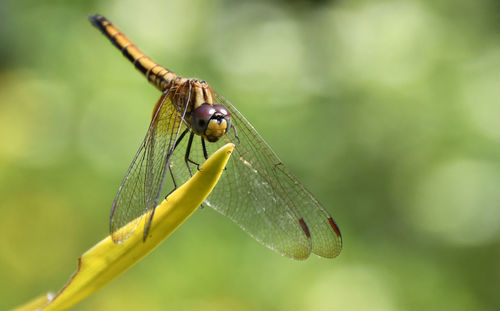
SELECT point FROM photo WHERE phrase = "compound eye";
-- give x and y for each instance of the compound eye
(201, 117)
(223, 114)
(222, 110)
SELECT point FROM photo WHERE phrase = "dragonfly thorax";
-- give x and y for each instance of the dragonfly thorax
(209, 120)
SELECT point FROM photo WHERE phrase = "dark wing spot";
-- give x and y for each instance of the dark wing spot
(304, 227)
(334, 226)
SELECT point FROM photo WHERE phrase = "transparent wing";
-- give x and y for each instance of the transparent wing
(263, 197)
(141, 187)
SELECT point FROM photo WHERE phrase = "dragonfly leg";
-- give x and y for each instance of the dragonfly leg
(173, 180)
(235, 133)
(205, 153)
(188, 151)
(176, 143)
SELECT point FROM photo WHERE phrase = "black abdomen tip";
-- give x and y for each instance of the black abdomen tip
(97, 20)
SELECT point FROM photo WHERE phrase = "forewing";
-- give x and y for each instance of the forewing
(141, 187)
(263, 197)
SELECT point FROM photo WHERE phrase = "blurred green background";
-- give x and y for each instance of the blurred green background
(387, 110)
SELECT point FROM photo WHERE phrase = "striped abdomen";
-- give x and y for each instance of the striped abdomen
(158, 75)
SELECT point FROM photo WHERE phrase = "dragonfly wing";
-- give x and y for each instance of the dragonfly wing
(325, 234)
(263, 197)
(287, 213)
(141, 188)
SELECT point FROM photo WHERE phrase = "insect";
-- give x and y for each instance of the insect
(257, 191)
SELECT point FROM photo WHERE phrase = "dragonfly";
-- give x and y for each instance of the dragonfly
(256, 190)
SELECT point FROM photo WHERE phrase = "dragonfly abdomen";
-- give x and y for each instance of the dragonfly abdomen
(158, 75)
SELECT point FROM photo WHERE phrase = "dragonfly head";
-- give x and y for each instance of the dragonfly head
(211, 122)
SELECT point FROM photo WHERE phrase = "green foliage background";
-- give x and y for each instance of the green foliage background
(387, 110)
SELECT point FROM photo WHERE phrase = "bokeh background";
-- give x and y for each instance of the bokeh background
(387, 110)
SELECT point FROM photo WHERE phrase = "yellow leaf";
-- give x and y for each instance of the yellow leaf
(106, 260)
